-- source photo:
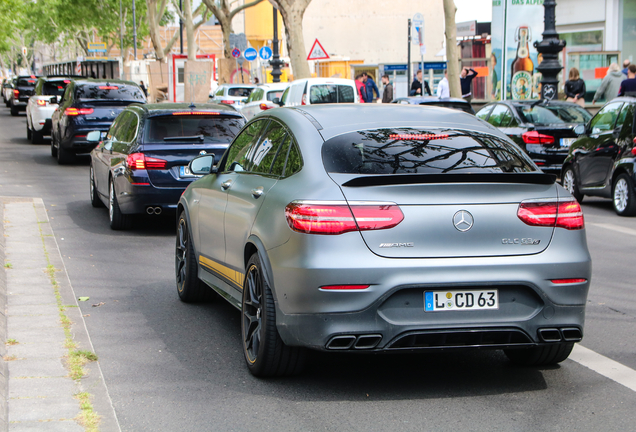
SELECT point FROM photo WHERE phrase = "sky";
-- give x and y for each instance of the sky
(468, 10)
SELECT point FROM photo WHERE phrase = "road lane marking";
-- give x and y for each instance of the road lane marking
(613, 227)
(604, 366)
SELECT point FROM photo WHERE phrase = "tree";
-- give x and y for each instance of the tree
(222, 10)
(452, 59)
(156, 12)
(188, 18)
(292, 12)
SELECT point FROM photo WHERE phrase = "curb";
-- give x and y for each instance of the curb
(4, 368)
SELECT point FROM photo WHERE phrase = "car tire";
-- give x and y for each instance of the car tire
(64, 156)
(265, 352)
(95, 200)
(28, 130)
(569, 183)
(37, 137)
(189, 287)
(118, 220)
(623, 197)
(53, 148)
(540, 356)
(14, 110)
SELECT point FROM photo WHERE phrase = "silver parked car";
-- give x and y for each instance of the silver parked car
(366, 228)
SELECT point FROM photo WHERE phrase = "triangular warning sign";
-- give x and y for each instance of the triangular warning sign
(317, 52)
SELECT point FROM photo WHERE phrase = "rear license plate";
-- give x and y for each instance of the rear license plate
(444, 301)
(184, 172)
(566, 142)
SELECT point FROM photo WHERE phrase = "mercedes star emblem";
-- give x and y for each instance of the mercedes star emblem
(463, 220)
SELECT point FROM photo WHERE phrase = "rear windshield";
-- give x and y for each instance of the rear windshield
(109, 92)
(551, 114)
(54, 88)
(239, 91)
(26, 82)
(193, 128)
(330, 93)
(454, 105)
(271, 95)
(418, 151)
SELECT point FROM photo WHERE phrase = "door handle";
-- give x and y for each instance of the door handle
(226, 184)
(256, 193)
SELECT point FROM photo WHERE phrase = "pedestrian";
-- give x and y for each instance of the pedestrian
(256, 81)
(362, 93)
(575, 88)
(416, 86)
(626, 64)
(370, 88)
(443, 90)
(387, 94)
(628, 86)
(610, 85)
(466, 79)
(143, 88)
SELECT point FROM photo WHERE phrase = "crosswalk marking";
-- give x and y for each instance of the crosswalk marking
(605, 366)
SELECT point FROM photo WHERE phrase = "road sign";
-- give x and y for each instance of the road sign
(78, 66)
(395, 67)
(418, 22)
(96, 47)
(317, 52)
(250, 54)
(265, 53)
(236, 53)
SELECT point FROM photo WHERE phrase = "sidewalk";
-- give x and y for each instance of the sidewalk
(37, 391)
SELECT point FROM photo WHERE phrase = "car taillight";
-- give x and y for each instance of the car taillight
(16, 93)
(534, 137)
(229, 102)
(265, 107)
(41, 102)
(561, 214)
(303, 101)
(78, 111)
(332, 218)
(139, 161)
(568, 281)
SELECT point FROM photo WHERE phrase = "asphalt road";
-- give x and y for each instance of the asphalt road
(171, 366)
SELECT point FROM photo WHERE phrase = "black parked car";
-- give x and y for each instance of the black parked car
(141, 167)
(22, 90)
(88, 105)
(601, 161)
(544, 130)
(454, 103)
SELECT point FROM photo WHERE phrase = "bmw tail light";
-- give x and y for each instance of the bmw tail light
(534, 137)
(139, 161)
(78, 111)
(41, 102)
(333, 218)
(16, 93)
(561, 214)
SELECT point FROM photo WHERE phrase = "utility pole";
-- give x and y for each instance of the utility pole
(134, 31)
(121, 40)
(275, 62)
(180, 27)
(408, 63)
(549, 47)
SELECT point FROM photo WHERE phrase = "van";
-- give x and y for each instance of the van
(311, 91)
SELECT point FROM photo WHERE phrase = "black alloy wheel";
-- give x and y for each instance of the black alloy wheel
(569, 183)
(543, 355)
(189, 287)
(118, 220)
(265, 353)
(623, 197)
(95, 200)
(53, 145)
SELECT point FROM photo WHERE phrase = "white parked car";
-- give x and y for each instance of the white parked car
(46, 95)
(232, 94)
(262, 98)
(311, 91)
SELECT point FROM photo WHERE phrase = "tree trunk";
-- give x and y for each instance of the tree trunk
(226, 28)
(189, 24)
(452, 59)
(292, 12)
(153, 28)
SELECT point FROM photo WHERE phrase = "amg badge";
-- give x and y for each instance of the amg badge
(521, 241)
(392, 245)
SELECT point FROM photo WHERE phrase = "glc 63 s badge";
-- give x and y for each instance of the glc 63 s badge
(394, 245)
(522, 241)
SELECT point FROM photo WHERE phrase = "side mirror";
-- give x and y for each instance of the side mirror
(53, 100)
(94, 136)
(579, 129)
(202, 165)
(277, 101)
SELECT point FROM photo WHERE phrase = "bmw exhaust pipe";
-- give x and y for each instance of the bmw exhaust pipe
(158, 210)
(154, 210)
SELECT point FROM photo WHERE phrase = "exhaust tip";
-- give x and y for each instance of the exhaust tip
(341, 342)
(150, 210)
(367, 341)
(572, 334)
(158, 210)
(550, 335)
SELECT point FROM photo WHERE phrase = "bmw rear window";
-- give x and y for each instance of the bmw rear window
(192, 128)
(54, 88)
(422, 151)
(26, 82)
(239, 91)
(108, 91)
(331, 93)
(553, 114)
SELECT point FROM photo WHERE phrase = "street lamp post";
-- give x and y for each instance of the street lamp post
(134, 24)
(549, 47)
(275, 61)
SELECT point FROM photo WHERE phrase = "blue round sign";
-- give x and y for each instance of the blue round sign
(265, 53)
(236, 53)
(250, 54)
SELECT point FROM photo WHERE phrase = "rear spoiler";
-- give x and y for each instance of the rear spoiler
(399, 179)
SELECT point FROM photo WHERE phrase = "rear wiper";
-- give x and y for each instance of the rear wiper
(184, 138)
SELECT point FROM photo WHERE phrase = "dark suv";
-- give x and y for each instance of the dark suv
(601, 161)
(22, 90)
(88, 105)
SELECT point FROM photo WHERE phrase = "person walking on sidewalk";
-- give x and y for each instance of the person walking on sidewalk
(370, 88)
(362, 93)
(416, 87)
(387, 94)
(610, 85)
(628, 87)
(466, 79)
(626, 64)
(443, 90)
(575, 88)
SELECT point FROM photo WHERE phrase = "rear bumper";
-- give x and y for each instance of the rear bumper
(79, 145)
(134, 199)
